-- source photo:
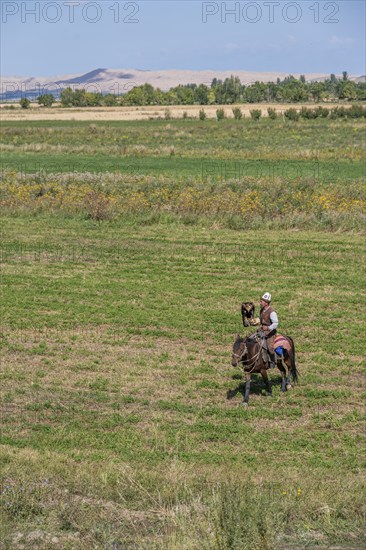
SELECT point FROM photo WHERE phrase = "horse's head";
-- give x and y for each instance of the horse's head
(239, 351)
(247, 313)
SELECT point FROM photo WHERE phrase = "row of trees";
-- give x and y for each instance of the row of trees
(355, 111)
(74, 98)
(81, 98)
(227, 92)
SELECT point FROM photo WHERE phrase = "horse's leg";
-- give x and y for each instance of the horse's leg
(291, 363)
(248, 377)
(266, 381)
(283, 375)
(288, 379)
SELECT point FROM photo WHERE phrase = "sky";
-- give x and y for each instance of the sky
(46, 38)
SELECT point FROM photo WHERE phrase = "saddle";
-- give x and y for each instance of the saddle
(283, 341)
(279, 341)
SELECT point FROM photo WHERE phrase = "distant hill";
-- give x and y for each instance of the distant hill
(119, 81)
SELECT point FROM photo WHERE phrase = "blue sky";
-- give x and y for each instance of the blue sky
(75, 36)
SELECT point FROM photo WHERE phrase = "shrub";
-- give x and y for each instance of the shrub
(343, 111)
(338, 112)
(167, 114)
(256, 114)
(220, 114)
(321, 112)
(46, 100)
(292, 114)
(272, 113)
(97, 206)
(307, 113)
(202, 115)
(24, 103)
(237, 520)
(185, 115)
(356, 111)
(237, 113)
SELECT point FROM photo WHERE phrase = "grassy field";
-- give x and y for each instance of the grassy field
(121, 424)
(116, 365)
(240, 174)
(167, 146)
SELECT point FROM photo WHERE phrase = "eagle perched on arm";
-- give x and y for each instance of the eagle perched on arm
(247, 314)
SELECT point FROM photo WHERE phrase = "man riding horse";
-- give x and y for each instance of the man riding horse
(258, 351)
(269, 323)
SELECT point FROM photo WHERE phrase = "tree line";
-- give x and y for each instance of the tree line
(220, 92)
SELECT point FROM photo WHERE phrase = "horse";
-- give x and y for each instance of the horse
(248, 351)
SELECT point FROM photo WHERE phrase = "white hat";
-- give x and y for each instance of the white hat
(267, 297)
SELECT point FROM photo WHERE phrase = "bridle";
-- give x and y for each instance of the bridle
(253, 361)
(241, 355)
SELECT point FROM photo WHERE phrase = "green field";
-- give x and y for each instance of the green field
(117, 426)
(332, 150)
(236, 174)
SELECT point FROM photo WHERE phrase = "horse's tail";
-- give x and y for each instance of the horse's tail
(294, 371)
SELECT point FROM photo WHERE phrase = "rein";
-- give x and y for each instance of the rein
(254, 359)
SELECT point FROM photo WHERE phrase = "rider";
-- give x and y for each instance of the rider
(269, 324)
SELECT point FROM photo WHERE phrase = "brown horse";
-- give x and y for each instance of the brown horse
(248, 351)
